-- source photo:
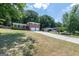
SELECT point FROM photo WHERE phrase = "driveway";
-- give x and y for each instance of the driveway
(61, 37)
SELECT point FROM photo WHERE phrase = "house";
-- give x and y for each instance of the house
(29, 26)
(50, 29)
(34, 26)
(20, 26)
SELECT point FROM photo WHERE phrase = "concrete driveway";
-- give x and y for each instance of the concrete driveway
(61, 37)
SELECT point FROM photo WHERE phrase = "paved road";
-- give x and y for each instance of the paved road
(61, 37)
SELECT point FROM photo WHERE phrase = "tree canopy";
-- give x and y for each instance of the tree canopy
(31, 16)
(46, 21)
(71, 19)
(9, 11)
(14, 12)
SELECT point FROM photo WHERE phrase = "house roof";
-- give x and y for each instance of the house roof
(19, 24)
(27, 23)
(33, 23)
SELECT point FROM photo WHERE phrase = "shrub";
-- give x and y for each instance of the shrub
(49, 30)
(13, 27)
(2, 21)
(65, 33)
(61, 29)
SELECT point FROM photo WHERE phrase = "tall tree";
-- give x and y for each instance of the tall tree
(31, 16)
(65, 19)
(46, 21)
(71, 19)
(75, 11)
(58, 24)
(11, 11)
(73, 23)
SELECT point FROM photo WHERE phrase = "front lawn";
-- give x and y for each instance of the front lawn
(15, 42)
(48, 46)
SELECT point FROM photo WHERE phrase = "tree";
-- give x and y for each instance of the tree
(72, 25)
(46, 21)
(75, 10)
(71, 19)
(65, 19)
(11, 11)
(2, 21)
(58, 24)
(31, 16)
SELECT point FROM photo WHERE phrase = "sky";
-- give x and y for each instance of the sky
(55, 10)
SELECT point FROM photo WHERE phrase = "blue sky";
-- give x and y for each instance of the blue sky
(55, 10)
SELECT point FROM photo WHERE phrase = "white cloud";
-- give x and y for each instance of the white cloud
(72, 4)
(41, 5)
(67, 9)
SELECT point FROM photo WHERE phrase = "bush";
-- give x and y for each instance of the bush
(65, 33)
(49, 30)
(61, 29)
(13, 27)
(2, 21)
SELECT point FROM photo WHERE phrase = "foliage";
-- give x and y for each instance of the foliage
(71, 20)
(61, 29)
(31, 16)
(72, 26)
(2, 21)
(58, 24)
(46, 21)
(10, 11)
(65, 19)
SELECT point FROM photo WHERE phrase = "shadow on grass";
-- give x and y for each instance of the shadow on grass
(8, 39)
(16, 44)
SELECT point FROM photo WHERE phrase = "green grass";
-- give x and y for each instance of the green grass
(75, 35)
(22, 42)
(15, 42)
